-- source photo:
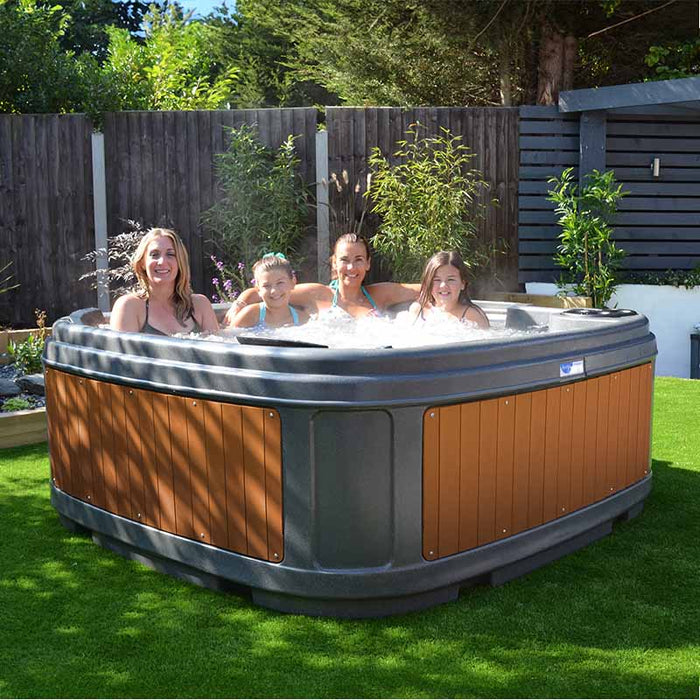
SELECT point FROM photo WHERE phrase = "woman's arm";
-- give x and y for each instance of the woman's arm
(204, 311)
(247, 317)
(128, 314)
(307, 295)
(390, 293)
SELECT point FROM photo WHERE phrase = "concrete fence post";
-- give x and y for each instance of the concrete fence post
(323, 231)
(99, 189)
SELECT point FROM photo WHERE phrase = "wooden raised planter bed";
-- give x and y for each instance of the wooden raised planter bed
(550, 301)
(23, 427)
(17, 337)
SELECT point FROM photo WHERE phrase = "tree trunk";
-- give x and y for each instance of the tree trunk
(550, 66)
(504, 73)
(570, 50)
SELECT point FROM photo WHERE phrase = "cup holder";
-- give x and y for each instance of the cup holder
(601, 313)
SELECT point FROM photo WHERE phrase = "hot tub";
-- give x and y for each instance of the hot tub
(352, 482)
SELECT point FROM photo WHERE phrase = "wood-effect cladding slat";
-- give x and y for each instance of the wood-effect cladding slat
(204, 470)
(495, 467)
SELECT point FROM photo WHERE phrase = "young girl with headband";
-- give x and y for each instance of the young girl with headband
(274, 282)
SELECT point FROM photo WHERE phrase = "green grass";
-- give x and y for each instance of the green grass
(617, 619)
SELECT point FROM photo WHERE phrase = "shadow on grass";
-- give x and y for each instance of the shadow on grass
(617, 619)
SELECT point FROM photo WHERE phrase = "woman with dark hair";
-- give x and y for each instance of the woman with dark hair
(350, 264)
(164, 303)
(443, 290)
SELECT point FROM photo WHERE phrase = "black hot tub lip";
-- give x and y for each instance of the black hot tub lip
(347, 378)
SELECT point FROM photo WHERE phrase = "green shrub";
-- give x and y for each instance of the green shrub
(429, 201)
(586, 250)
(16, 403)
(26, 354)
(264, 203)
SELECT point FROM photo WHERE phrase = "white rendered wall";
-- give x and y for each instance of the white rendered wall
(672, 313)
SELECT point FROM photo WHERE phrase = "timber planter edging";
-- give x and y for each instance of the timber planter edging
(23, 427)
(16, 336)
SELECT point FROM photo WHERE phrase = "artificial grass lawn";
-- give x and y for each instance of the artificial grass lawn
(617, 619)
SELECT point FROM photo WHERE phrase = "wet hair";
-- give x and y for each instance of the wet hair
(353, 238)
(182, 293)
(350, 238)
(273, 261)
(444, 257)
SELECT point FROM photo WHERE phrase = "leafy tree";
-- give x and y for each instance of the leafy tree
(677, 60)
(171, 68)
(466, 52)
(36, 74)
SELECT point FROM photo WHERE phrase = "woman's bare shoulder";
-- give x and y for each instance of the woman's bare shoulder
(129, 302)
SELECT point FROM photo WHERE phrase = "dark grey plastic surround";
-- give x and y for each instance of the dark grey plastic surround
(352, 453)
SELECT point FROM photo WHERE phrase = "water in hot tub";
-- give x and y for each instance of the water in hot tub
(337, 329)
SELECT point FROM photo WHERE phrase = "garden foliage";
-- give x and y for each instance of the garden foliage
(26, 355)
(429, 198)
(586, 251)
(263, 205)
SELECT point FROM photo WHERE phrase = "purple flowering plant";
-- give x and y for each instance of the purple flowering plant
(228, 280)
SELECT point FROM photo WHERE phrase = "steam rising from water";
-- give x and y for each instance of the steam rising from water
(337, 329)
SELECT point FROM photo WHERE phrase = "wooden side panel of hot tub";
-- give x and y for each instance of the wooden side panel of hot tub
(204, 470)
(496, 467)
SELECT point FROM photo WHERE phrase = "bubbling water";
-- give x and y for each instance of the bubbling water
(335, 328)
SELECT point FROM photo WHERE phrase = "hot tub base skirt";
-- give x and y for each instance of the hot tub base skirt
(356, 594)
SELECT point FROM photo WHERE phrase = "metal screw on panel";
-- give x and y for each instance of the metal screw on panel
(432, 415)
(272, 415)
(430, 553)
(138, 515)
(130, 392)
(611, 488)
(504, 530)
(89, 498)
(194, 403)
(276, 556)
(506, 403)
(202, 535)
(563, 510)
(567, 389)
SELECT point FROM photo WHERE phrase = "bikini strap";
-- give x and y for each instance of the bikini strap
(335, 286)
(295, 315)
(261, 315)
(369, 298)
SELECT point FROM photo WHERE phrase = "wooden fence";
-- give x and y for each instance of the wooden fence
(491, 133)
(46, 214)
(160, 170)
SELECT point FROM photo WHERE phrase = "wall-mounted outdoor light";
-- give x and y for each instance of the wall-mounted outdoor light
(655, 166)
